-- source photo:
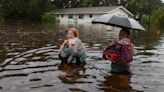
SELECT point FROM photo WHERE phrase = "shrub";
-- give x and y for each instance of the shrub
(49, 18)
(158, 18)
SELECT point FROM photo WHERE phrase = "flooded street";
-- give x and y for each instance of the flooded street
(29, 61)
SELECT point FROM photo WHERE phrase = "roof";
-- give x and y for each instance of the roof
(91, 10)
(86, 10)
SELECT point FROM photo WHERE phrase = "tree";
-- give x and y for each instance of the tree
(25, 9)
(142, 7)
(33, 9)
(158, 18)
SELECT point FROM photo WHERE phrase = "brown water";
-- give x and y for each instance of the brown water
(29, 61)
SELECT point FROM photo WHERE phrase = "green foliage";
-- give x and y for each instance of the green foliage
(145, 20)
(90, 3)
(33, 9)
(25, 9)
(158, 18)
(1, 17)
(87, 3)
(49, 18)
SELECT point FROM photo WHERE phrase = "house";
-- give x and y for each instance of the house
(86, 14)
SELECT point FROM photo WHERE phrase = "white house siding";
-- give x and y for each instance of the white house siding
(87, 19)
(65, 20)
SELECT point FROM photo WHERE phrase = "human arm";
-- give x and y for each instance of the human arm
(62, 45)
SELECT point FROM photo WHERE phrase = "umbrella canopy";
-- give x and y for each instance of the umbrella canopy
(118, 21)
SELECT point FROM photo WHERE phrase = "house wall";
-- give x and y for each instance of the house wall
(87, 19)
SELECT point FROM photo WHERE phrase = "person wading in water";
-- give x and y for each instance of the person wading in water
(72, 52)
(120, 53)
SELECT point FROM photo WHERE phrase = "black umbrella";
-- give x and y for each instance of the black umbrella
(118, 21)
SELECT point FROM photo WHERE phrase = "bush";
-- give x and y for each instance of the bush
(1, 18)
(158, 18)
(145, 20)
(49, 18)
(30, 10)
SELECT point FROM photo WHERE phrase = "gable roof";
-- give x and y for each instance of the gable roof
(91, 10)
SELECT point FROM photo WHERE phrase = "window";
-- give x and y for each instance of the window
(62, 15)
(70, 16)
(90, 15)
(81, 16)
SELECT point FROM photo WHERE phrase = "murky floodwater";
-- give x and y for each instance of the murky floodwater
(29, 61)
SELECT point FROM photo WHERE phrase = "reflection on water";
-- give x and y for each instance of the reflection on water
(117, 83)
(29, 61)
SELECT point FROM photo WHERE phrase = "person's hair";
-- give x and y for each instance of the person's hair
(75, 31)
(127, 31)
